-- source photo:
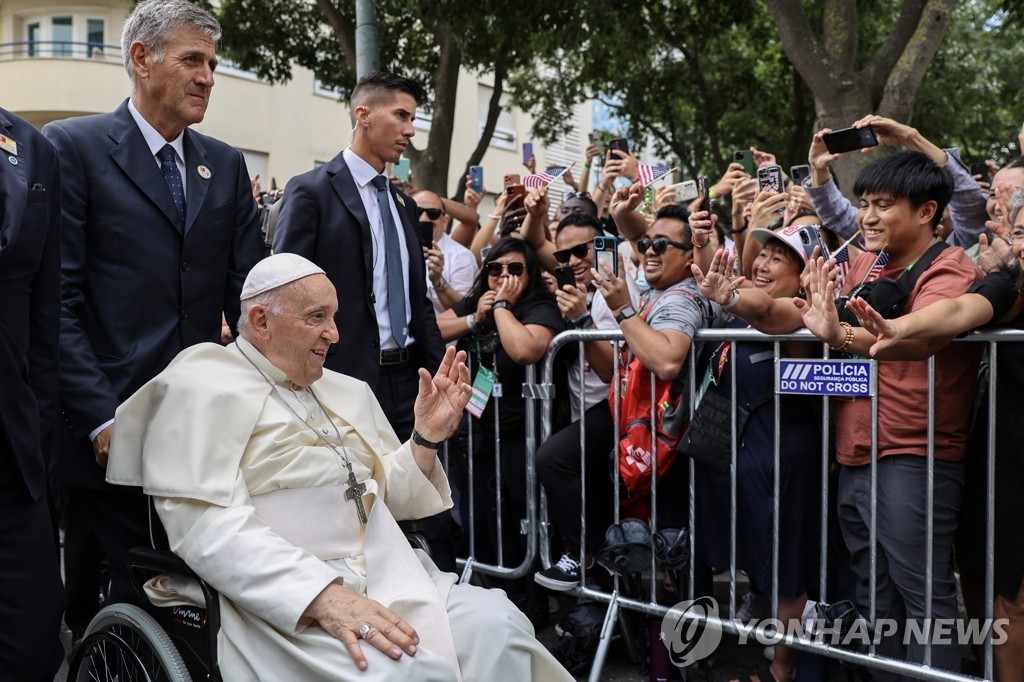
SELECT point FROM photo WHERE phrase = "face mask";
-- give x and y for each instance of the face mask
(641, 278)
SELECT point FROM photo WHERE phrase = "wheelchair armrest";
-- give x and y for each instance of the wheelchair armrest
(159, 560)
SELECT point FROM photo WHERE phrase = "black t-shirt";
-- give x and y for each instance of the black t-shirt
(484, 348)
(1000, 289)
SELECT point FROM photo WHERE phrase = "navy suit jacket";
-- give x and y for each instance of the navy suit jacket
(30, 291)
(323, 219)
(137, 285)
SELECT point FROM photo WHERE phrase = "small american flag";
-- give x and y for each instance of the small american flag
(842, 258)
(648, 174)
(880, 260)
(543, 179)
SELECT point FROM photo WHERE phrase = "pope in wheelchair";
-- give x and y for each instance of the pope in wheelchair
(279, 484)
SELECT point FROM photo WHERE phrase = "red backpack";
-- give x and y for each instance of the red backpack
(671, 415)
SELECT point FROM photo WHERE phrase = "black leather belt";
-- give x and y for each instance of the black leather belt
(395, 356)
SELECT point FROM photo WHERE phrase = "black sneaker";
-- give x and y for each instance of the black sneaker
(561, 577)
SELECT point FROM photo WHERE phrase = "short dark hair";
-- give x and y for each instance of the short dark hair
(580, 220)
(910, 175)
(676, 212)
(1015, 162)
(373, 85)
(533, 288)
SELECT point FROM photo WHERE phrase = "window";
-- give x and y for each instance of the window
(33, 39)
(94, 36)
(61, 36)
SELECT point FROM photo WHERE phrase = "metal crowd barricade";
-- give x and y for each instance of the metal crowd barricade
(541, 395)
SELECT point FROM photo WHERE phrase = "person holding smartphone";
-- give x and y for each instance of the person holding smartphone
(451, 267)
(966, 208)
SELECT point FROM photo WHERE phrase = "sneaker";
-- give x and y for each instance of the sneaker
(754, 607)
(561, 577)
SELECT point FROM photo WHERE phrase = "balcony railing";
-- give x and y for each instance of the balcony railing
(60, 49)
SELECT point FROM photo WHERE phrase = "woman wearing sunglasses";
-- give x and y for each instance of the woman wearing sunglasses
(506, 322)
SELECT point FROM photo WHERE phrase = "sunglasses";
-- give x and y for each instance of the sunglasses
(660, 245)
(515, 269)
(575, 195)
(432, 213)
(580, 251)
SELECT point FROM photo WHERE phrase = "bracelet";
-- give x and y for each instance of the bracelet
(845, 344)
(442, 285)
(420, 440)
(583, 321)
(471, 321)
(741, 230)
(498, 305)
(494, 217)
(734, 301)
(711, 193)
(587, 166)
(700, 246)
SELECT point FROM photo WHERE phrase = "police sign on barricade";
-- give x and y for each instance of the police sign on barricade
(847, 379)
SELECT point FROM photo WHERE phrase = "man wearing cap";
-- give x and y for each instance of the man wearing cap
(279, 483)
(159, 231)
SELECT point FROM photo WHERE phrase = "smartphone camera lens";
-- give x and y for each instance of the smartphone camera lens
(804, 237)
(737, 156)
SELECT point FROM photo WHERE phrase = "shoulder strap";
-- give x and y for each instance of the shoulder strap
(909, 278)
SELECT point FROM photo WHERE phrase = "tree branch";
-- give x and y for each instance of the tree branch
(884, 59)
(803, 49)
(840, 33)
(344, 32)
(491, 122)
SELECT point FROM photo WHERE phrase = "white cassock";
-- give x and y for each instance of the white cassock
(255, 504)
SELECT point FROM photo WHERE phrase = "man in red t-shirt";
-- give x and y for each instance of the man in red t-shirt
(902, 198)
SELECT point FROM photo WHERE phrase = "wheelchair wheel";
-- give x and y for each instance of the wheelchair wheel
(123, 642)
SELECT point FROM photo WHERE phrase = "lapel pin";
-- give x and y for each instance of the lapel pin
(13, 160)
(400, 199)
(8, 145)
(204, 172)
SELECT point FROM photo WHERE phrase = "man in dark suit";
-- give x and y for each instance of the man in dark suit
(159, 231)
(346, 217)
(31, 596)
(332, 216)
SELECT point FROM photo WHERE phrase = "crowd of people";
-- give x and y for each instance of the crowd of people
(239, 394)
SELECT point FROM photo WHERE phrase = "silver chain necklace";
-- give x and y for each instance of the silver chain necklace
(355, 489)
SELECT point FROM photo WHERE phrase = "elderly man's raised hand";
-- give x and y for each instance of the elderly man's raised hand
(443, 397)
(342, 612)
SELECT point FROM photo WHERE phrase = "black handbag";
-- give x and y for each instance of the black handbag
(889, 296)
(707, 439)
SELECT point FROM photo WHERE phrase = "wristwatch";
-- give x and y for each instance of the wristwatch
(583, 321)
(626, 313)
(420, 440)
(441, 285)
(501, 304)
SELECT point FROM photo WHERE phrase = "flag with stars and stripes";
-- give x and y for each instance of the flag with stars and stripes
(880, 260)
(842, 258)
(648, 174)
(542, 179)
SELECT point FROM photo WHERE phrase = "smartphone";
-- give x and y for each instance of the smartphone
(565, 275)
(605, 248)
(799, 173)
(745, 157)
(810, 236)
(594, 137)
(400, 169)
(527, 153)
(769, 179)
(515, 191)
(981, 168)
(704, 190)
(511, 179)
(686, 191)
(850, 139)
(619, 144)
(476, 178)
(426, 234)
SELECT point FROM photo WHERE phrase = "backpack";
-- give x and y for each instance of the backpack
(634, 457)
(579, 637)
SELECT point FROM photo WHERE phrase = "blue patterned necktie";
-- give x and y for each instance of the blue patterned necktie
(172, 177)
(392, 263)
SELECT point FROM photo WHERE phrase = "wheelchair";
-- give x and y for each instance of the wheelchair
(151, 643)
(157, 643)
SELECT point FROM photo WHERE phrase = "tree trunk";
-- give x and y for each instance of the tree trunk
(493, 111)
(430, 165)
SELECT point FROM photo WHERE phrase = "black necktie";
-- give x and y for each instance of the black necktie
(172, 177)
(392, 263)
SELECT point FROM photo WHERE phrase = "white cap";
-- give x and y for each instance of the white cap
(277, 270)
(790, 236)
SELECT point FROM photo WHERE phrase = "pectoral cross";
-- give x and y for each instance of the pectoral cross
(355, 493)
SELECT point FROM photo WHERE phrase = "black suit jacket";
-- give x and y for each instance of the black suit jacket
(30, 194)
(323, 219)
(137, 285)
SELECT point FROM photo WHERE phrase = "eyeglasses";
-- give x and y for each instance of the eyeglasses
(494, 269)
(660, 245)
(580, 251)
(432, 213)
(575, 195)
(1016, 235)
